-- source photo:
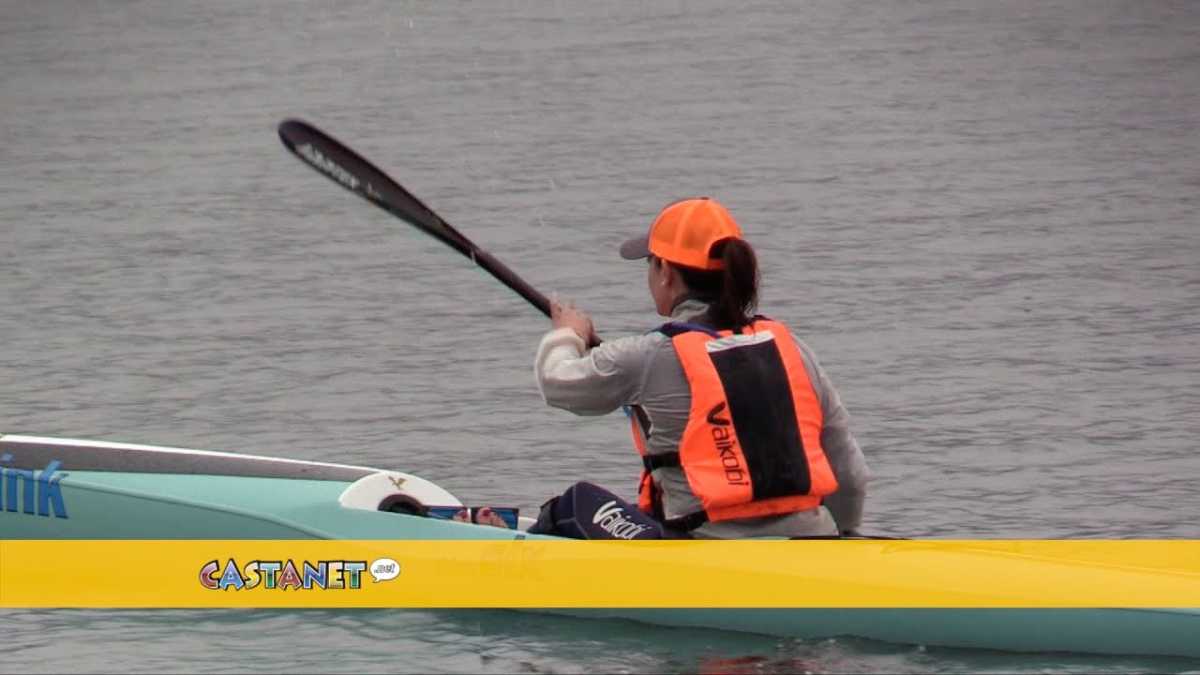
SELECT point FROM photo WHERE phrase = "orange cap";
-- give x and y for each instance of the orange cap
(684, 233)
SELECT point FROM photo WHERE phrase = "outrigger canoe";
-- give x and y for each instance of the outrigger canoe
(53, 488)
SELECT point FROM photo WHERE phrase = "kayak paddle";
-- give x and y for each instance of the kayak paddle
(350, 170)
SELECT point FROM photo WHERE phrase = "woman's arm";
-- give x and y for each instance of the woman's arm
(592, 382)
(841, 449)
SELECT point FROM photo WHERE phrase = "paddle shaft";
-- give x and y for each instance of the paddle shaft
(347, 168)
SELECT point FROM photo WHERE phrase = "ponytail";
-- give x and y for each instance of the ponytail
(739, 288)
(732, 292)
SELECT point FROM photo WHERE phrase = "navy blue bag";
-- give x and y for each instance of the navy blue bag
(587, 511)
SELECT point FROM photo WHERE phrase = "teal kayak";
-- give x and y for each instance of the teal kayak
(53, 488)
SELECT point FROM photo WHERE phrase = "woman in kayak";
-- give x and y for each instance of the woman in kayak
(741, 432)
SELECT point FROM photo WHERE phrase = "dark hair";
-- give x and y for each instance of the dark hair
(732, 292)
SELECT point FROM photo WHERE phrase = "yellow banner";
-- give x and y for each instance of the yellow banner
(600, 574)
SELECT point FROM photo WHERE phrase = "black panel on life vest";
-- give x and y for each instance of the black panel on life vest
(764, 417)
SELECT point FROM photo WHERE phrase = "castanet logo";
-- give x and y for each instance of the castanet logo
(286, 574)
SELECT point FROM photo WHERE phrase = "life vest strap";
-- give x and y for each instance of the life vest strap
(657, 461)
(673, 328)
(774, 507)
(687, 523)
(643, 420)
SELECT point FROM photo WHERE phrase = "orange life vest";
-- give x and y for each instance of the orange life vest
(752, 444)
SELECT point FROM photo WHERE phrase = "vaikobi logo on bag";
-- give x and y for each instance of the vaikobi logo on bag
(611, 517)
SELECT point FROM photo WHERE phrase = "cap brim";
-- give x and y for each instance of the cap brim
(636, 248)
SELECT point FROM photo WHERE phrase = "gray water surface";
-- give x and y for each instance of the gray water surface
(982, 216)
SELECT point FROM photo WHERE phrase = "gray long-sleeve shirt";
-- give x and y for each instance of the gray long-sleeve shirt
(645, 370)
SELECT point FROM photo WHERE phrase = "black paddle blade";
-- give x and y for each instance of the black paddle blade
(350, 170)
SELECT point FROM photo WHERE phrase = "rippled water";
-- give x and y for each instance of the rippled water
(983, 217)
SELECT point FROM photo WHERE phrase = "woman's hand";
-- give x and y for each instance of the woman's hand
(564, 315)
